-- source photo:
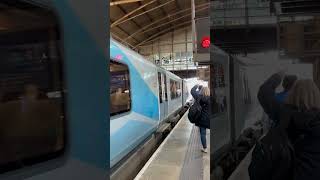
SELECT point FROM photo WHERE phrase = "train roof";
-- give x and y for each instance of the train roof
(219, 55)
(141, 57)
(132, 52)
(217, 50)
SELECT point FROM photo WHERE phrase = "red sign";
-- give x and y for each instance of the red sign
(205, 43)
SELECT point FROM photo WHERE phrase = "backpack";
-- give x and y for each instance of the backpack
(273, 155)
(195, 112)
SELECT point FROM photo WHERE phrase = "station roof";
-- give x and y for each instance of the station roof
(135, 22)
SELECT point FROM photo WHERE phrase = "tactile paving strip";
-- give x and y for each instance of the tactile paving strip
(193, 163)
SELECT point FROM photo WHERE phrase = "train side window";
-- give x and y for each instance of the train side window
(175, 89)
(31, 86)
(120, 98)
(179, 89)
(165, 88)
(219, 95)
(160, 87)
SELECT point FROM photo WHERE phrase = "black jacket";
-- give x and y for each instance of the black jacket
(204, 101)
(303, 130)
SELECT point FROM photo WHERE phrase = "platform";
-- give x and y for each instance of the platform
(179, 156)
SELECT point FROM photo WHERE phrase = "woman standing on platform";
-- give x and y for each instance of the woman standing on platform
(204, 121)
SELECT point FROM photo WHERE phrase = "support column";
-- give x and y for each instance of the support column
(160, 61)
(194, 37)
(246, 12)
(154, 61)
(186, 39)
(172, 40)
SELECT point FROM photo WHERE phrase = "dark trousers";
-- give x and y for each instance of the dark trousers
(203, 137)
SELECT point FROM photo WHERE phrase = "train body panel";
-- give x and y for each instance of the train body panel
(130, 128)
(239, 109)
(155, 94)
(143, 80)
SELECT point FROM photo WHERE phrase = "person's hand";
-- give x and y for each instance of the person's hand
(282, 72)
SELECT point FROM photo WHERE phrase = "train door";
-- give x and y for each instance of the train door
(220, 84)
(163, 95)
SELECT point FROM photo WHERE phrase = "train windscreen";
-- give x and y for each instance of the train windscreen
(31, 86)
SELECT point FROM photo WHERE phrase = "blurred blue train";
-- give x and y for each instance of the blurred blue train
(53, 90)
(142, 97)
(54, 101)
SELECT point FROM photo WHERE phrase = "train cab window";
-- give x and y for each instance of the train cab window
(120, 98)
(175, 89)
(31, 86)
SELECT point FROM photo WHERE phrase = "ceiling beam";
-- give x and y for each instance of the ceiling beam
(169, 16)
(163, 11)
(125, 12)
(123, 2)
(127, 34)
(178, 5)
(148, 15)
(170, 22)
(120, 39)
(130, 13)
(159, 6)
(162, 32)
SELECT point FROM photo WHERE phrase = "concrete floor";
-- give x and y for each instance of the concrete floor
(179, 156)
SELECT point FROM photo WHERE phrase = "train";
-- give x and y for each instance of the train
(230, 123)
(57, 111)
(142, 97)
(54, 101)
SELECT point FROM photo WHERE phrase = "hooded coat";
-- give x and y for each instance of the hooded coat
(204, 101)
(303, 130)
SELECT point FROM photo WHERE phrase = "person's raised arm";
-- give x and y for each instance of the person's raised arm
(194, 92)
(266, 95)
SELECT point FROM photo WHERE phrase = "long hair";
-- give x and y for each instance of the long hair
(205, 91)
(304, 95)
(288, 82)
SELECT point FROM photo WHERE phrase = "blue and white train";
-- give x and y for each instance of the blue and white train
(58, 48)
(142, 97)
(54, 101)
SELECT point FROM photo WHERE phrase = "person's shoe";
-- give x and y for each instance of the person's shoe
(204, 150)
